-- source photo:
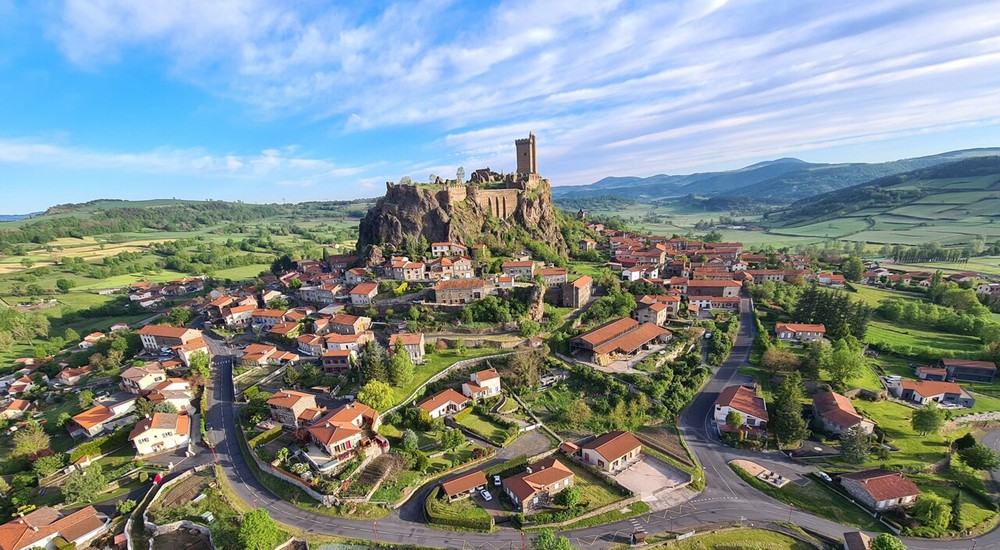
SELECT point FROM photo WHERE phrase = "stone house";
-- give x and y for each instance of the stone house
(880, 489)
(577, 293)
(413, 343)
(161, 432)
(553, 275)
(337, 361)
(448, 248)
(343, 323)
(837, 414)
(538, 484)
(462, 291)
(612, 451)
(290, 408)
(519, 268)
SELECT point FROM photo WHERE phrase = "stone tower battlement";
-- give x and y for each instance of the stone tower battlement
(526, 161)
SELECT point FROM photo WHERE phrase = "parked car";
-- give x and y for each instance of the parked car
(486, 495)
(496, 481)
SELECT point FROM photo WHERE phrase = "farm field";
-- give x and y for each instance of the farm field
(983, 264)
(737, 538)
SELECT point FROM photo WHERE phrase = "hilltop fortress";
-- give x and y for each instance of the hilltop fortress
(490, 206)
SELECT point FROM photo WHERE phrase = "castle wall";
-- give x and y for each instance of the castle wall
(499, 202)
(457, 193)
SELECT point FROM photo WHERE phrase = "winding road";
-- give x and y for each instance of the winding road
(726, 498)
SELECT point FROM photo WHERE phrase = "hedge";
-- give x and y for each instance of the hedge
(508, 467)
(482, 523)
(101, 446)
(265, 437)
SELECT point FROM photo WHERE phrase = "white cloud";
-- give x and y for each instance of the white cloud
(609, 87)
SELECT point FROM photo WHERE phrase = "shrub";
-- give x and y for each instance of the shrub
(477, 522)
(102, 445)
(265, 437)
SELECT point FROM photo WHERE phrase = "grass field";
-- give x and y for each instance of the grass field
(915, 450)
(481, 425)
(899, 336)
(738, 538)
(459, 509)
(982, 264)
(436, 362)
(244, 273)
(594, 491)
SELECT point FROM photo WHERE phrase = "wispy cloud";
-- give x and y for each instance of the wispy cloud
(609, 86)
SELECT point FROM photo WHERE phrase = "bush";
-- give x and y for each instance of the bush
(265, 437)
(102, 445)
(477, 522)
(508, 467)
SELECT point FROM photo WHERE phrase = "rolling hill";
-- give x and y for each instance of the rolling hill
(779, 181)
(951, 203)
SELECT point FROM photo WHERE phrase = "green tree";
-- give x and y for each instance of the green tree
(452, 438)
(420, 461)
(853, 268)
(85, 399)
(734, 419)
(786, 419)
(291, 376)
(71, 335)
(125, 507)
(47, 464)
(259, 532)
(964, 442)
(84, 485)
(980, 457)
(373, 362)
(401, 367)
(579, 414)
(547, 540)
(932, 511)
(165, 407)
(568, 497)
(856, 445)
(886, 541)
(956, 511)
(845, 362)
(29, 440)
(179, 316)
(928, 419)
(64, 285)
(409, 442)
(377, 395)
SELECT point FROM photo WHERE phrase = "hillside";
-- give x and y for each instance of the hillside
(949, 204)
(773, 182)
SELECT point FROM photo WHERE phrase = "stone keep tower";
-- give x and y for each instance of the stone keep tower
(526, 156)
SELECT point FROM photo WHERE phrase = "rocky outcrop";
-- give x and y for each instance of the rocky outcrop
(467, 214)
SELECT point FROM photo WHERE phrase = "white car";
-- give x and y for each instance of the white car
(496, 481)
(486, 495)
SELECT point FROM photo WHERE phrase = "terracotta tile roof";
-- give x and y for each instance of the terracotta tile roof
(340, 353)
(837, 409)
(930, 388)
(335, 338)
(460, 284)
(632, 340)
(46, 522)
(464, 483)
(283, 328)
(337, 425)
(407, 338)
(93, 416)
(552, 271)
(345, 319)
(441, 398)
(608, 331)
(743, 399)
(799, 327)
(883, 484)
(180, 424)
(289, 398)
(487, 374)
(614, 445)
(582, 281)
(364, 289)
(517, 263)
(166, 332)
(967, 364)
(545, 472)
(714, 284)
(275, 313)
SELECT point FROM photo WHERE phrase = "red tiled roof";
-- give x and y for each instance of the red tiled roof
(460, 284)
(632, 340)
(45, 522)
(406, 338)
(441, 398)
(364, 289)
(93, 416)
(545, 472)
(743, 399)
(837, 409)
(165, 331)
(614, 445)
(930, 388)
(288, 398)
(582, 281)
(799, 327)
(464, 483)
(883, 484)
(714, 284)
(608, 331)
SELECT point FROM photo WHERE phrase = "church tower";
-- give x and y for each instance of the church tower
(526, 156)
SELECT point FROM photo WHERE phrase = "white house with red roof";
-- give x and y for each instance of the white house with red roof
(448, 248)
(161, 432)
(443, 403)
(482, 384)
(801, 332)
(745, 401)
(363, 294)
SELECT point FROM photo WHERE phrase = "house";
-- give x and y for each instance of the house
(186, 351)
(443, 403)
(538, 483)
(856, 540)
(619, 339)
(21, 386)
(880, 489)
(413, 343)
(16, 409)
(363, 294)
(337, 361)
(325, 293)
(342, 323)
(341, 433)
(482, 384)
(256, 355)
(141, 380)
(577, 293)
(93, 421)
(310, 344)
(348, 342)
(155, 337)
(90, 339)
(837, 413)
(43, 526)
(931, 373)
(355, 275)
(174, 391)
(448, 248)
(238, 316)
(799, 332)
(464, 485)
(71, 376)
(671, 303)
(289, 408)
(708, 287)
(457, 267)
(640, 272)
(923, 392)
(655, 313)
(265, 319)
(287, 330)
(587, 244)
(745, 401)
(402, 269)
(161, 432)
(969, 371)
(520, 268)
(462, 291)
(553, 275)
(612, 451)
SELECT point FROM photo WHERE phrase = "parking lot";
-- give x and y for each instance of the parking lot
(652, 480)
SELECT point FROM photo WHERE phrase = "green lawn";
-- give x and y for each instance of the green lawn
(739, 538)
(460, 455)
(901, 336)
(915, 450)
(594, 490)
(816, 499)
(465, 508)
(482, 425)
(436, 362)
(244, 273)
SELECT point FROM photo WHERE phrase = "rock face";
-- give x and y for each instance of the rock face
(468, 214)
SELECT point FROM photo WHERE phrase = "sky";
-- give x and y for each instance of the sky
(266, 101)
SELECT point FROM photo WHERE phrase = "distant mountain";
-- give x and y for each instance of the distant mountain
(961, 192)
(774, 182)
(16, 217)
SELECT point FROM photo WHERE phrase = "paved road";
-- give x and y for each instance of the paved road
(726, 497)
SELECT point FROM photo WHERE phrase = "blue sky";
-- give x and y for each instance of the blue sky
(270, 101)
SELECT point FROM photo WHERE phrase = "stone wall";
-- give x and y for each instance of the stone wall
(499, 202)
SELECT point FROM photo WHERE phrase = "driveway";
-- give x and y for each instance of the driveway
(653, 481)
(528, 444)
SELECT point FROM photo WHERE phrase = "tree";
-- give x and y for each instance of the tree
(85, 399)
(452, 438)
(291, 376)
(29, 440)
(779, 360)
(420, 461)
(4, 487)
(84, 485)
(786, 419)
(845, 362)
(179, 316)
(980, 457)
(47, 464)
(956, 511)
(928, 419)
(885, 541)
(282, 264)
(932, 511)
(71, 335)
(124, 507)
(734, 419)
(547, 540)
(401, 367)
(817, 357)
(964, 442)
(65, 284)
(524, 368)
(853, 268)
(856, 445)
(373, 362)
(6, 341)
(377, 395)
(409, 442)
(165, 407)
(568, 497)
(579, 413)
(259, 532)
